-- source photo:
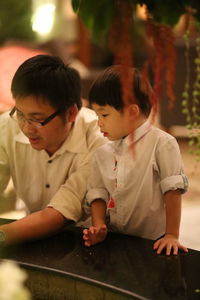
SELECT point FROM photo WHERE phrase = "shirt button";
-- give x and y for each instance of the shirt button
(47, 185)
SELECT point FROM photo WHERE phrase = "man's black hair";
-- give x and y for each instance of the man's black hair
(106, 90)
(48, 78)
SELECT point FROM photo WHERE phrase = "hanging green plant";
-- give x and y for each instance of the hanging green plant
(90, 12)
(165, 12)
(191, 100)
(115, 28)
(15, 20)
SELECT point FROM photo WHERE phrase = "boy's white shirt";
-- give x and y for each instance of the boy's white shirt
(65, 171)
(139, 180)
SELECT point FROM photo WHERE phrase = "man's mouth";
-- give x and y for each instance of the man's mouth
(34, 140)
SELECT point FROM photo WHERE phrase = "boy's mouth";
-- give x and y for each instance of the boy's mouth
(105, 133)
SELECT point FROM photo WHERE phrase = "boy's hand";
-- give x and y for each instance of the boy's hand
(170, 243)
(94, 235)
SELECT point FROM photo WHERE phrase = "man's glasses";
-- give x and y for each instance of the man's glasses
(19, 117)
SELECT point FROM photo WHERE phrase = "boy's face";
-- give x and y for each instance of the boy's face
(113, 124)
(50, 136)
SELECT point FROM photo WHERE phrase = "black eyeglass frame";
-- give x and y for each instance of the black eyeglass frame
(43, 123)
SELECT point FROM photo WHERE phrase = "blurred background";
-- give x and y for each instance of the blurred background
(30, 27)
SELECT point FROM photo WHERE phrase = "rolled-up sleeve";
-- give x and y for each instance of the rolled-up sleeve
(174, 182)
(68, 199)
(96, 187)
(171, 167)
(70, 196)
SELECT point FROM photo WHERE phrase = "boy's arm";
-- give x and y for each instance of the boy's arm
(173, 216)
(98, 231)
(172, 201)
(98, 212)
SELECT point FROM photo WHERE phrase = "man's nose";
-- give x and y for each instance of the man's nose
(27, 127)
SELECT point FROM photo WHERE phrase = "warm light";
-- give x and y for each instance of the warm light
(43, 19)
(141, 11)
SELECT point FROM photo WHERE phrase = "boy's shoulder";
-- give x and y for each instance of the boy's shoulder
(161, 134)
(107, 148)
(159, 138)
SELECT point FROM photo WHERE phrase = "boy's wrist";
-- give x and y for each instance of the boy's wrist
(172, 234)
(99, 223)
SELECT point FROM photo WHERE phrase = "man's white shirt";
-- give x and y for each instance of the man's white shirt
(58, 181)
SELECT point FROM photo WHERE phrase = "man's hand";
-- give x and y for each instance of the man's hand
(94, 235)
(2, 238)
(170, 243)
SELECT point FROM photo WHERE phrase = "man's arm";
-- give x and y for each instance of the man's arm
(36, 225)
(173, 216)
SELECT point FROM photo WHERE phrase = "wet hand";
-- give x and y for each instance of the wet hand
(94, 235)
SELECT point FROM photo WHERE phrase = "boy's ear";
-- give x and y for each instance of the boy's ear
(133, 110)
(72, 113)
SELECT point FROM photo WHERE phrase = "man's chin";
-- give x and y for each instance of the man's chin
(36, 146)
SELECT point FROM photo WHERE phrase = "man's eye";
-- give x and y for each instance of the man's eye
(19, 115)
(37, 121)
(104, 115)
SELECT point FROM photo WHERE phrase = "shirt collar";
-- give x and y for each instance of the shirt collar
(20, 137)
(134, 137)
(139, 133)
(76, 140)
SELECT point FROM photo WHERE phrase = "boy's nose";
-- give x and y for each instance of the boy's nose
(100, 123)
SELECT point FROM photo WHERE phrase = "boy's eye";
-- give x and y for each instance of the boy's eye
(104, 115)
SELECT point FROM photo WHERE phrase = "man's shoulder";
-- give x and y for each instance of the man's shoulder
(6, 122)
(9, 129)
(86, 115)
(4, 117)
(85, 135)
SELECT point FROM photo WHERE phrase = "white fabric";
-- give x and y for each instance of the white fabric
(138, 180)
(65, 172)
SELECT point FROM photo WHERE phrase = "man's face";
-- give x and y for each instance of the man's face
(50, 136)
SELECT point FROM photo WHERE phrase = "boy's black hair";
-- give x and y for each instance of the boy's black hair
(106, 90)
(48, 78)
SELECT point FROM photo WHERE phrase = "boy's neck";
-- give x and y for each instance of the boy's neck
(139, 122)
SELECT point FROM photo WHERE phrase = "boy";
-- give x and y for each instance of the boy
(45, 145)
(139, 193)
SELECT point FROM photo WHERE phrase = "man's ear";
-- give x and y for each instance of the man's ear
(72, 113)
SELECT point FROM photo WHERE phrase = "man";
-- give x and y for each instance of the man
(45, 145)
